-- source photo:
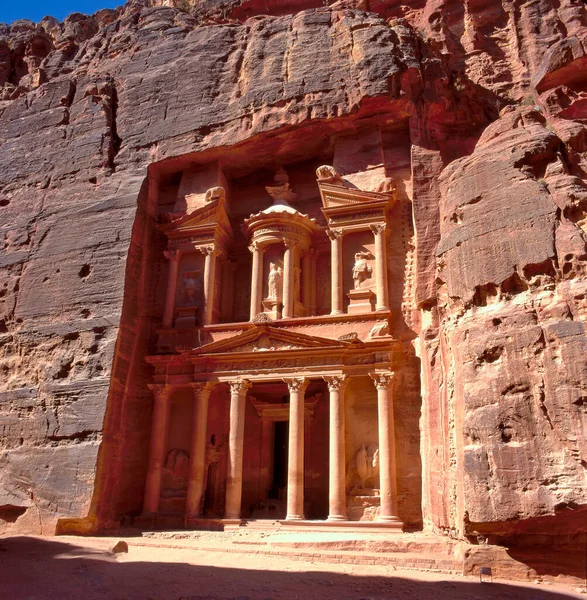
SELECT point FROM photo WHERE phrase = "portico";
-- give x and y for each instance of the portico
(261, 358)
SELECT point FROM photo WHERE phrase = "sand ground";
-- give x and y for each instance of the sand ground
(68, 568)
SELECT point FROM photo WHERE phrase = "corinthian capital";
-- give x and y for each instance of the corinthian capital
(161, 391)
(205, 250)
(172, 254)
(334, 234)
(336, 383)
(382, 381)
(202, 387)
(377, 228)
(240, 386)
(297, 384)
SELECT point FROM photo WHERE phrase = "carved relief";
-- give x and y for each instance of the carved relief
(191, 286)
(175, 471)
(363, 470)
(362, 271)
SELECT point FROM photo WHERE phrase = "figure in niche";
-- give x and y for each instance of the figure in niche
(361, 270)
(275, 281)
(363, 470)
(192, 286)
(175, 474)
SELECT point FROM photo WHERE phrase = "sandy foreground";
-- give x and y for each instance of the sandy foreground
(35, 568)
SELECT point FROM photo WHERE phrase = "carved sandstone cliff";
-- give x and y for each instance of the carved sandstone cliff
(476, 109)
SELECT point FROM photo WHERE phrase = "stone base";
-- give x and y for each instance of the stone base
(361, 302)
(273, 307)
(350, 526)
(363, 505)
(186, 317)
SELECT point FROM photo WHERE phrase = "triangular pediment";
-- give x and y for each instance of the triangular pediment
(339, 196)
(264, 338)
(212, 213)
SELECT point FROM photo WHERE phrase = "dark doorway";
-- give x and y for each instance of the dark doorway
(280, 439)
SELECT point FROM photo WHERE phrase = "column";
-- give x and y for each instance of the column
(387, 466)
(288, 278)
(381, 267)
(209, 274)
(256, 279)
(234, 476)
(335, 236)
(173, 257)
(308, 282)
(337, 471)
(162, 395)
(295, 454)
(197, 466)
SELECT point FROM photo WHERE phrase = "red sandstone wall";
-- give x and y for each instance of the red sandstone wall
(491, 282)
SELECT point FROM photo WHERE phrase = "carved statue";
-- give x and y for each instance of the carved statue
(363, 470)
(297, 273)
(274, 281)
(215, 193)
(361, 270)
(326, 172)
(191, 286)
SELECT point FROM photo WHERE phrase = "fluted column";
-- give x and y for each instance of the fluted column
(256, 279)
(197, 465)
(162, 395)
(288, 278)
(387, 460)
(381, 267)
(295, 455)
(173, 257)
(337, 472)
(307, 282)
(209, 276)
(234, 477)
(335, 236)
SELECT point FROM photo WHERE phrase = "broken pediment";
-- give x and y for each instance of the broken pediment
(265, 338)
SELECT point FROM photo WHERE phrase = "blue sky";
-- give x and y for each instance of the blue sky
(35, 10)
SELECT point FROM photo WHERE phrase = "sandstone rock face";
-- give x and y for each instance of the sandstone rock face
(475, 109)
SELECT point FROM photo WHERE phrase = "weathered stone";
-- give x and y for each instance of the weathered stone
(471, 114)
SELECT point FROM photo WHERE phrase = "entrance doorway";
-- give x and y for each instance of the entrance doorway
(280, 445)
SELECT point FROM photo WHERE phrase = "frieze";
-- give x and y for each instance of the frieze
(355, 217)
(279, 228)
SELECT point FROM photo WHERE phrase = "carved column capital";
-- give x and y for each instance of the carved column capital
(202, 387)
(297, 384)
(377, 228)
(208, 250)
(290, 243)
(172, 254)
(334, 234)
(256, 247)
(239, 386)
(382, 381)
(336, 383)
(160, 391)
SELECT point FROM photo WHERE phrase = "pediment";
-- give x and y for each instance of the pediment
(340, 196)
(264, 338)
(213, 213)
